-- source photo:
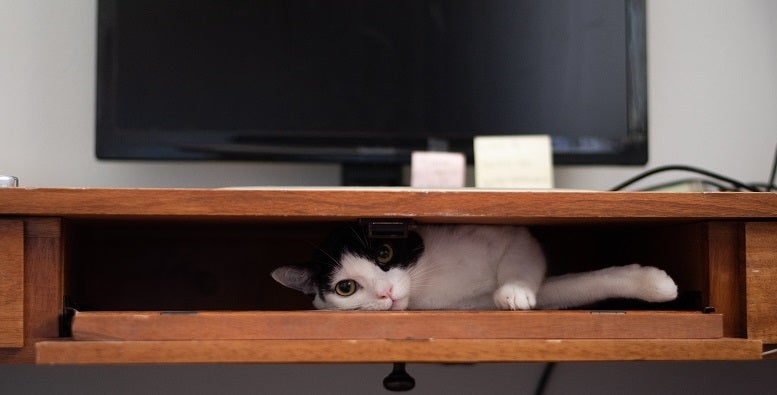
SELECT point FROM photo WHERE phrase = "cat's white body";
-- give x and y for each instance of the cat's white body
(462, 267)
(469, 267)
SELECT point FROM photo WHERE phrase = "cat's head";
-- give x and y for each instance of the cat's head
(351, 271)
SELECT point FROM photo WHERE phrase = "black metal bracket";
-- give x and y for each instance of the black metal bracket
(386, 228)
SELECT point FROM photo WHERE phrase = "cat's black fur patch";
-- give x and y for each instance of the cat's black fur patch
(353, 239)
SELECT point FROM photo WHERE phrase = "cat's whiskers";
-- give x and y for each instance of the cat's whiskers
(335, 261)
(418, 274)
(359, 238)
(315, 246)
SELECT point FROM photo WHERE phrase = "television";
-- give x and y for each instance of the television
(364, 83)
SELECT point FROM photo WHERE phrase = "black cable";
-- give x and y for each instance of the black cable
(705, 182)
(544, 378)
(737, 184)
(770, 184)
(764, 187)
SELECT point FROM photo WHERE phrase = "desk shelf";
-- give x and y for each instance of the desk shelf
(119, 255)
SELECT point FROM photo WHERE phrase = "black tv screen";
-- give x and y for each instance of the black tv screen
(361, 81)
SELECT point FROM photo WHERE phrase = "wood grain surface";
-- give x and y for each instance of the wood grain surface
(761, 274)
(395, 325)
(11, 283)
(466, 205)
(373, 351)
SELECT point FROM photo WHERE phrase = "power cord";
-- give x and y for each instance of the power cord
(770, 184)
(736, 184)
(542, 384)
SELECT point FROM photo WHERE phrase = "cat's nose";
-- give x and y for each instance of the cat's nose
(385, 292)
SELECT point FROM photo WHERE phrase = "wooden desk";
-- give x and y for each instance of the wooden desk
(123, 253)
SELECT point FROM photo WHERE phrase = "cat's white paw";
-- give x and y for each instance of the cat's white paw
(654, 285)
(515, 296)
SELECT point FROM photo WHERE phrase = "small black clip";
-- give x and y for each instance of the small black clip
(386, 228)
(708, 310)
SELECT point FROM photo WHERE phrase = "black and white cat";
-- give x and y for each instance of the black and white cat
(458, 267)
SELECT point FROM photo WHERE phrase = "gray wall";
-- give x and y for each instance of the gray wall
(713, 104)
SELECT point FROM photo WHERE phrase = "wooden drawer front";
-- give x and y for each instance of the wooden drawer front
(396, 325)
(761, 280)
(412, 336)
(390, 350)
(11, 283)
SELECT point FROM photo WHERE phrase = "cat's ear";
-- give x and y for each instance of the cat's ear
(295, 277)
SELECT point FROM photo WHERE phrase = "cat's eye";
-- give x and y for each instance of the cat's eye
(346, 287)
(385, 254)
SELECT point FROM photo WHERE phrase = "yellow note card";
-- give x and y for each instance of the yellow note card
(524, 162)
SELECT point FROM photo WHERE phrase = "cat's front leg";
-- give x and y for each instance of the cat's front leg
(515, 296)
(520, 272)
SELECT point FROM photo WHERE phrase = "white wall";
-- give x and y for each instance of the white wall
(712, 86)
(713, 103)
(712, 83)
